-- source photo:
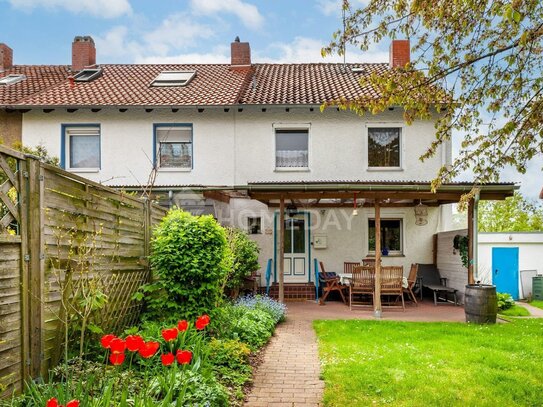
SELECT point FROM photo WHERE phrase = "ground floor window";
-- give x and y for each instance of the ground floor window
(391, 236)
(254, 225)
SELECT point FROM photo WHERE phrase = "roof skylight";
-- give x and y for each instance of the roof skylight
(12, 79)
(88, 74)
(173, 78)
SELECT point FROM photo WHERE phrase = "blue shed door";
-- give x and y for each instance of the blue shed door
(505, 270)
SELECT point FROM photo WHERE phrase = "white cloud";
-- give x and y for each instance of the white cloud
(247, 13)
(98, 8)
(219, 55)
(178, 31)
(304, 49)
(175, 33)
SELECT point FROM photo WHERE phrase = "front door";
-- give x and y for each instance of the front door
(296, 266)
(505, 270)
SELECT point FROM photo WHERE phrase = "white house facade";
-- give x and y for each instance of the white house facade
(241, 140)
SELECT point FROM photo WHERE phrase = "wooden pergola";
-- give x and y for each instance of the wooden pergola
(377, 195)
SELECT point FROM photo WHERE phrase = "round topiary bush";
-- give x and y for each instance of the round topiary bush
(189, 259)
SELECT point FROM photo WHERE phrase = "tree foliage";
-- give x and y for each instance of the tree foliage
(477, 63)
(514, 214)
(244, 254)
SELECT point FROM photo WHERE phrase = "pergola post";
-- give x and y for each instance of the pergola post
(377, 288)
(471, 240)
(282, 249)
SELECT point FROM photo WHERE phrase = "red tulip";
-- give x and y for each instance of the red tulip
(52, 402)
(182, 326)
(149, 349)
(117, 345)
(106, 340)
(170, 334)
(116, 358)
(72, 403)
(202, 322)
(167, 359)
(184, 357)
(134, 343)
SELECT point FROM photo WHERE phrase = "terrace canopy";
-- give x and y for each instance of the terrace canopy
(376, 194)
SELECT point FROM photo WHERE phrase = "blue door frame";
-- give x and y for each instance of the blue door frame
(505, 270)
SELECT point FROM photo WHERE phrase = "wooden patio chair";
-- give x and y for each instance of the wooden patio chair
(411, 281)
(348, 267)
(330, 282)
(362, 285)
(391, 283)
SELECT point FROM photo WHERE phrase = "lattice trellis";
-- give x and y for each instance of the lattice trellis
(9, 210)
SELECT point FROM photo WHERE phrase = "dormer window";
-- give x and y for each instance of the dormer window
(173, 78)
(87, 75)
(12, 79)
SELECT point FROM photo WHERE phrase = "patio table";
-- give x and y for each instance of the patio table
(345, 279)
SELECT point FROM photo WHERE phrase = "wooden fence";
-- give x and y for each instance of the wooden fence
(62, 236)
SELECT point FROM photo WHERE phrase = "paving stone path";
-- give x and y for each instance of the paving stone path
(289, 373)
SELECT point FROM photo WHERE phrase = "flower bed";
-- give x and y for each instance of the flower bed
(205, 362)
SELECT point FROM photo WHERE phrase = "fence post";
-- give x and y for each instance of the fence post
(23, 230)
(35, 259)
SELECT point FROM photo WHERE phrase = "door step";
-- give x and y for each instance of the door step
(293, 291)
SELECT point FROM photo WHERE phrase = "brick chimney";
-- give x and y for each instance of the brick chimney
(400, 53)
(240, 54)
(6, 57)
(83, 53)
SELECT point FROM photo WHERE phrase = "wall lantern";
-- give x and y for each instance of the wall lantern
(291, 210)
(421, 214)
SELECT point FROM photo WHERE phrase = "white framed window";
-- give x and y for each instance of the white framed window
(384, 147)
(82, 147)
(174, 146)
(291, 148)
(391, 237)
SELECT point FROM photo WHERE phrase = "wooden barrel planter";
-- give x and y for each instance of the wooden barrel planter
(480, 304)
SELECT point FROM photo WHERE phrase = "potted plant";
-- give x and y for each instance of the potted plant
(480, 301)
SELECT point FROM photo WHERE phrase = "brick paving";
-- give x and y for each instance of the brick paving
(289, 373)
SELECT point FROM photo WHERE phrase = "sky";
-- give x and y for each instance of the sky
(191, 31)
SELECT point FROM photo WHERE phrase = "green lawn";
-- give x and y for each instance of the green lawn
(515, 311)
(368, 363)
(537, 303)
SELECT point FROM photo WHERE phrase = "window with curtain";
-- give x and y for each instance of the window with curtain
(391, 236)
(83, 147)
(174, 146)
(384, 146)
(291, 148)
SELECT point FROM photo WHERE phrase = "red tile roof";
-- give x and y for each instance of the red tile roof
(308, 83)
(214, 84)
(38, 78)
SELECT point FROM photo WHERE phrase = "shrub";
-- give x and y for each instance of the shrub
(505, 301)
(244, 254)
(262, 302)
(188, 261)
(252, 326)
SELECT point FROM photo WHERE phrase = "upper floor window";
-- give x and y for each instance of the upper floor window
(384, 146)
(391, 236)
(174, 146)
(82, 147)
(291, 148)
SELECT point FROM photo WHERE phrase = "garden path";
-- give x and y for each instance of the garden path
(534, 311)
(289, 373)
